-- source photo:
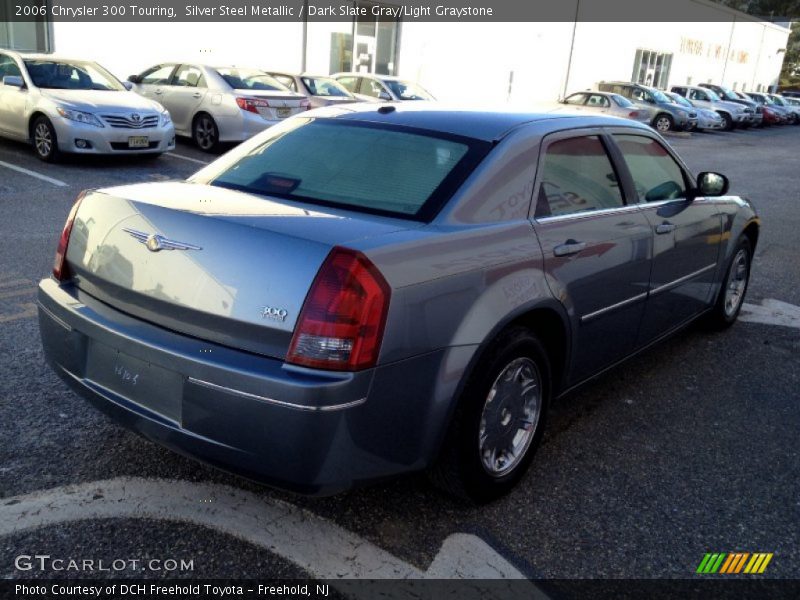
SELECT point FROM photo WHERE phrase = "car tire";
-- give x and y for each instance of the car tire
(45, 141)
(483, 456)
(727, 122)
(734, 287)
(205, 132)
(664, 123)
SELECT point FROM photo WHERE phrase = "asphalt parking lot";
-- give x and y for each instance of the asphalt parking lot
(688, 449)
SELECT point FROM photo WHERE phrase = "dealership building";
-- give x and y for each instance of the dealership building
(467, 62)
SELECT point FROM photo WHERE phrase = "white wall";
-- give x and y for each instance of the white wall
(125, 48)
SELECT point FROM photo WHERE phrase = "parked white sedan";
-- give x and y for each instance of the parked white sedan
(61, 105)
(218, 104)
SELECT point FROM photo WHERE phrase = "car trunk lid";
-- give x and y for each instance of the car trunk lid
(216, 264)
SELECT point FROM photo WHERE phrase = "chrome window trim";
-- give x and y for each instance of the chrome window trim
(589, 213)
(680, 280)
(623, 303)
(282, 403)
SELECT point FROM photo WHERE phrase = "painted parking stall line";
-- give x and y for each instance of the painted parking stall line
(40, 176)
(318, 546)
(771, 312)
(188, 158)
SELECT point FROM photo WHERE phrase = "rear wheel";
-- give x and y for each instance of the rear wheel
(664, 123)
(499, 421)
(734, 287)
(45, 142)
(205, 133)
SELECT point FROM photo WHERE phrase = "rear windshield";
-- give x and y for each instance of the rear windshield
(367, 167)
(250, 79)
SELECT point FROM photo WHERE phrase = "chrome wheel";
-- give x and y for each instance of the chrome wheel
(205, 133)
(43, 139)
(737, 282)
(663, 123)
(510, 417)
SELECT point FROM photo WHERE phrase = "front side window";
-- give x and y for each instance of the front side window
(189, 76)
(349, 83)
(159, 75)
(8, 67)
(323, 86)
(576, 99)
(656, 175)
(365, 167)
(577, 176)
(405, 90)
(78, 75)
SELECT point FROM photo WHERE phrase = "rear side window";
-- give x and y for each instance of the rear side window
(577, 176)
(655, 173)
(349, 83)
(361, 166)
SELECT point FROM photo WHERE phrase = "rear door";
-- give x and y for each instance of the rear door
(184, 95)
(596, 247)
(686, 234)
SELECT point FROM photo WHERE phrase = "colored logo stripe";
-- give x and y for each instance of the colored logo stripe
(734, 562)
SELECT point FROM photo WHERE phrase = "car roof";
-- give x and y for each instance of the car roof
(489, 125)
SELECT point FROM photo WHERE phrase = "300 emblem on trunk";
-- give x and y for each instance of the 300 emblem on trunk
(276, 314)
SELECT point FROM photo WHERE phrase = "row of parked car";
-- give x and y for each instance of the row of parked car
(706, 106)
(77, 106)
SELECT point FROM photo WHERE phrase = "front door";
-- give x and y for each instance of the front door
(686, 235)
(12, 101)
(596, 248)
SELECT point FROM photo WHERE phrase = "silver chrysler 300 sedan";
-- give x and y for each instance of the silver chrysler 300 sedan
(365, 291)
(218, 104)
(62, 105)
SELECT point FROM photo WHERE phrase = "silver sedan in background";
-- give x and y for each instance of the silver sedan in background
(61, 105)
(706, 119)
(218, 104)
(370, 87)
(608, 104)
(320, 90)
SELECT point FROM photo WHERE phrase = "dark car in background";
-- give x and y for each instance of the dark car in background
(669, 116)
(730, 95)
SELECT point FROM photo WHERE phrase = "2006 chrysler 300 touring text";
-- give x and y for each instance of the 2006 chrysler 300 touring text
(360, 292)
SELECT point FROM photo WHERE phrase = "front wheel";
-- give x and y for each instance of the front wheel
(45, 142)
(664, 123)
(499, 420)
(727, 122)
(734, 287)
(205, 133)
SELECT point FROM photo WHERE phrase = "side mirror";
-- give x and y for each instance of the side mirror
(385, 96)
(712, 184)
(127, 85)
(14, 81)
(135, 79)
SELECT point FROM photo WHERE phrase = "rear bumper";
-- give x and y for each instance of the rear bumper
(307, 431)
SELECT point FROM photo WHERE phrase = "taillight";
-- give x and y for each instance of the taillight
(60, 269)
(633, 114)
(251, 104)
(341, 324)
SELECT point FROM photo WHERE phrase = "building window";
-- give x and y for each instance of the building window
(367, 44)
(31, 36)
(652, 68)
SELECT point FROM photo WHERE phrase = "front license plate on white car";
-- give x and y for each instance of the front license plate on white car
(284, 112)
(139, 141)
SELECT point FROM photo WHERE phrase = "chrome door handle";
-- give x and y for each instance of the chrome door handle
(197, 95)
(569, 247)
(666, 228)
(158, 92)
